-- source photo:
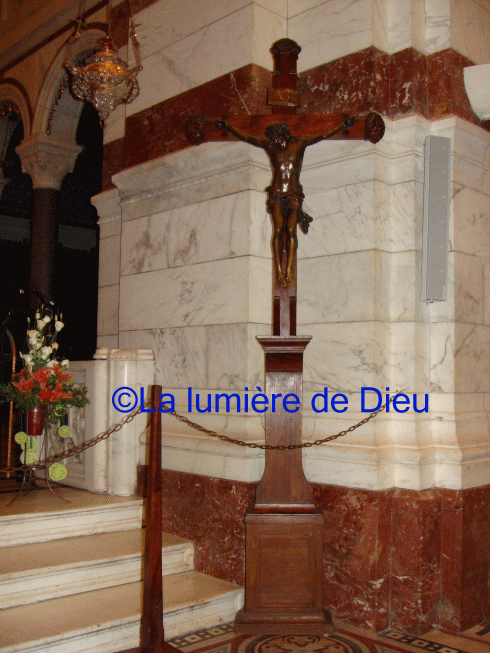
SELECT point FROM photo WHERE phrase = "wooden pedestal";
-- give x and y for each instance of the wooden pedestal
(284, 570)
(283, 559)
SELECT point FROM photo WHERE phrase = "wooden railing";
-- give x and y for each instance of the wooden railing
(152, 637)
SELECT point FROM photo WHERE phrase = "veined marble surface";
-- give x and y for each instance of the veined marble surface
(195, 287)
(438, 25)
(460, 24)
(358, 286)
(241, 37)
(109, 261)
(225, 227)
(470, 26)
(109, 212)
(167, 22)
(465, 291)
(110, 466)
(460, 357)
(193, 175)
(217, 292)
(108, 310)
(348, 356)
(208, 457)
(471, 227)
(219, 356)
(362, 216)
(328, 30)
(218, 38)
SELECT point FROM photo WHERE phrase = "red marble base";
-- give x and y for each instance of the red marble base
(397, 558)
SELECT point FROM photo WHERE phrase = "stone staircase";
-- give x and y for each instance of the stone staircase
(70, 577)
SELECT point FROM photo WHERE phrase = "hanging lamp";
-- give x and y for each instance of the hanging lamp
(105, 79)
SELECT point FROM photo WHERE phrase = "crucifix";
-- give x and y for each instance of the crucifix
(283, 553)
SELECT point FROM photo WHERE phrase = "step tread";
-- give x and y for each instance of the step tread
(44, 503)
(51, 620)
(27, 559)
(38, 517)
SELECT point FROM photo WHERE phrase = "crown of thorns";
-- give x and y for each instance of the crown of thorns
(276, 129)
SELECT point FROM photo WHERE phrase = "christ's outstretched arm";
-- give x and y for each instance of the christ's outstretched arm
(243, 136)
(311, 140)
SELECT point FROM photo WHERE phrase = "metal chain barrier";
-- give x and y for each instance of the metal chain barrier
(181, 418)
(80, 447)
(280, 447)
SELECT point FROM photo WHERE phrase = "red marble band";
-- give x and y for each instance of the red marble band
(395, 85)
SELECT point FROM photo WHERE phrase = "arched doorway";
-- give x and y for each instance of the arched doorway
(77, 256)
(74, 125)
(76, 262)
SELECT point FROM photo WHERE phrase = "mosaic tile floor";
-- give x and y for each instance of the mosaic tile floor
(345, 639)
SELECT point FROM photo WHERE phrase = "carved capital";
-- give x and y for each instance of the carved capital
(46, 160)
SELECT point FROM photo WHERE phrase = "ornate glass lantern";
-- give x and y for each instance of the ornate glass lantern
(105, 79)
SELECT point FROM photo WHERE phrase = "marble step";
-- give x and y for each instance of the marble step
(45, 570)
(24, 522)
(108, 620)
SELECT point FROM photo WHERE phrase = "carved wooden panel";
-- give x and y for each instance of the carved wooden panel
(283, 568)
(280, 553)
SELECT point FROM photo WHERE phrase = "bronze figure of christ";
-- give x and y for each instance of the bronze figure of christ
(284, 135)
(285, 194)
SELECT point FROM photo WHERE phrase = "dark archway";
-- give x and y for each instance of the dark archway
(77, 257)
(76, 263)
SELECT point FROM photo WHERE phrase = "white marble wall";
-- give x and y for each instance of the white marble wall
(460, 24)
(194, 282)
(183, 46)
(370, 327)
(333, 28)
(185, 258)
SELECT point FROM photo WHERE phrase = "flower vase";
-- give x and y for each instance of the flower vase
(36, 418)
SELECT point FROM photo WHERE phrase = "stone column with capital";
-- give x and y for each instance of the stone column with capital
(47, 161)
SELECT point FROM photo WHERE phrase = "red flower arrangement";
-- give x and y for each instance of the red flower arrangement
(43, 380)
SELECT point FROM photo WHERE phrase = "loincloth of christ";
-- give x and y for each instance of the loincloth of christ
(285, 198)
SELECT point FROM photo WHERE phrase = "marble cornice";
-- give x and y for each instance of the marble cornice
(218, 169)
(197, 181)
(190, 176)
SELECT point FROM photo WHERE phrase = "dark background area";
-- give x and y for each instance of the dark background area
(76, 266)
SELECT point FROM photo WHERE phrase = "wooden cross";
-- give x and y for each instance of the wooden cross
(283, 557)
(285, 193)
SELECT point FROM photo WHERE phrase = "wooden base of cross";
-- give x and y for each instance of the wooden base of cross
(283, 550)
(284, 544)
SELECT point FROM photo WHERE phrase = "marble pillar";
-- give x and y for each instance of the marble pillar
(110, 465)
(123, 368)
